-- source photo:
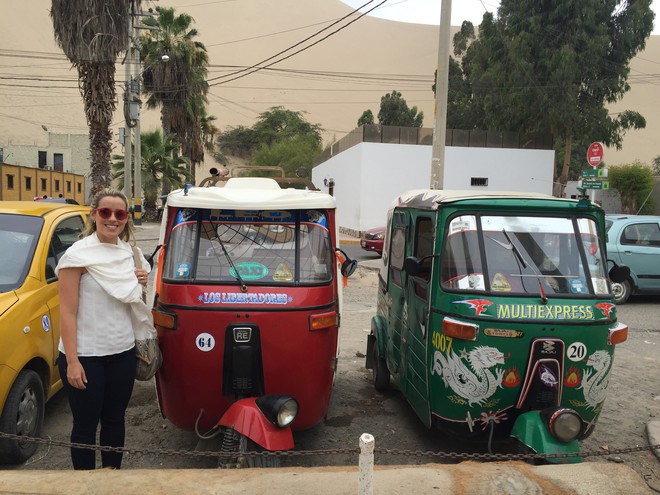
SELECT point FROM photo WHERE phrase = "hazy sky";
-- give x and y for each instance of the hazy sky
(428, 11)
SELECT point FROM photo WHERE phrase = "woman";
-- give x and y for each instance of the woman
(100, 304)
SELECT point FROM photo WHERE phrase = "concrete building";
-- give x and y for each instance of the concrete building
(366, 177)
(59, 156)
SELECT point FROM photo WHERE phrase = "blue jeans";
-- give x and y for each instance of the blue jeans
(110, 382)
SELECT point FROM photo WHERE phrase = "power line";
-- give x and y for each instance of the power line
(255, 66)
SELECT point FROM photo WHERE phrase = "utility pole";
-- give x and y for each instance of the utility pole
(128, 145)
(137, 201)
(441, 90)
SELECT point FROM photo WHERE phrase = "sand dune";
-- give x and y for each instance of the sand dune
(332, 82)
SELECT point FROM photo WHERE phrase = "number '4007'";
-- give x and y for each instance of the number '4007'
(441, 342)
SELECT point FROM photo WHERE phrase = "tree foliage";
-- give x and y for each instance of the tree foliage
(543, 66)
(280, 137)
(179, 85)
(394, 111)
(634, 182)
(92, 33)
(159, 165)
(367, 118)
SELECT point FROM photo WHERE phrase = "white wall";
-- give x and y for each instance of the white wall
(369, 176)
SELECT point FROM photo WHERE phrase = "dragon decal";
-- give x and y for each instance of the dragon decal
(594, 384)
(475, 382)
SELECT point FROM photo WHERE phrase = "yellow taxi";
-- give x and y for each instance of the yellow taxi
(33, 236)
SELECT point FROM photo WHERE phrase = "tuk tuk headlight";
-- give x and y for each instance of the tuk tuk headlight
(564, 424)
(280, 410)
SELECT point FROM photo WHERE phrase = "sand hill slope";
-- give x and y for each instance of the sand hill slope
(332, 82)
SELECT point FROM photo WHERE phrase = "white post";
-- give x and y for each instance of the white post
(366, 473)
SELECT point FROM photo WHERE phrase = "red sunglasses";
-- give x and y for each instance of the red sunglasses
(106, 213)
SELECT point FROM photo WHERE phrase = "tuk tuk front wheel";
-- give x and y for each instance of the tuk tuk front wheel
(256, 461)
(622, 291)
(381, 374)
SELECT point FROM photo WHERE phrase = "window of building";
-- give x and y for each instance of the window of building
(10, 181)
(79, 188)
(2, 155)
(57, 185)
(43, 159)
(58, 161)
(479, 181)
(44, 184)
(68, 186)
(28, 183)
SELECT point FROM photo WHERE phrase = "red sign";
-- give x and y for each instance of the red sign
(595, 154)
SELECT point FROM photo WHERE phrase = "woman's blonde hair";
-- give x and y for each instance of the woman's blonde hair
(127, 234)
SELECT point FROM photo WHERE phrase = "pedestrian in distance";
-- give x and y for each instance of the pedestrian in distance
(101, 305)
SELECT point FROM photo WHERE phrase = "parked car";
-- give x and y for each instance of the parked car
(33, 236)
(372, 240)
(634, 241)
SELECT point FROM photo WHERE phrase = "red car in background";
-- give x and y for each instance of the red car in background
(373, 239)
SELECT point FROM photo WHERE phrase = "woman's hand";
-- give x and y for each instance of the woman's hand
(142, 275)
(75, 375)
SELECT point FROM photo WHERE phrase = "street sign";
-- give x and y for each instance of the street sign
(595, 154)
(595, 184)
(595, 172)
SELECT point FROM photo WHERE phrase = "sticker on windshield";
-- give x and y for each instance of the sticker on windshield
(282, 273)
(205, 342)
(577, 286)
(500, 283)
(250, 271)
(183, 270)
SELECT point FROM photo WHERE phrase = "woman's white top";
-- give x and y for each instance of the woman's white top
(110, 308)
(103, 323)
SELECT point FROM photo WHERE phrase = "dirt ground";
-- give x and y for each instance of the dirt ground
(356, 408)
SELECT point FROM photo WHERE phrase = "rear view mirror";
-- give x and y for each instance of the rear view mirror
(348, 266)
(411, 266)
(619, 274)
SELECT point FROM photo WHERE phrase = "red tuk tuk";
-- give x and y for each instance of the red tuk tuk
(247, 306)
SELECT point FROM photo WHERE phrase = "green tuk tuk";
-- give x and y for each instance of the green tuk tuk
(496, 317)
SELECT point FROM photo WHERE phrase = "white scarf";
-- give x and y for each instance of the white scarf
(112, 266)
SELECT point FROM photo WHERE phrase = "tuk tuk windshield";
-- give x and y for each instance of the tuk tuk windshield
(263, 247)
(524, 255)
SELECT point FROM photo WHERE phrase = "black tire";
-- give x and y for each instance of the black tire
(381, 374)
(256, 461)
(23, 414)
(622, 291)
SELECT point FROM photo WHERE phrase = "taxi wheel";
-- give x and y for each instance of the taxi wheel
(23, 415)
(381, 375)
(621, 291)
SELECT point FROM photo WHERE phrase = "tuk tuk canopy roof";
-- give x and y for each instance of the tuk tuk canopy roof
(250, 193)
(431, 199)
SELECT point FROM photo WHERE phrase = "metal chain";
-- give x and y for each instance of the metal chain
(301, 453)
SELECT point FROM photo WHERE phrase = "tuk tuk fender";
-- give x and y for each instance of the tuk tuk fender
(376, 337)
(246, 418)
(531, 430)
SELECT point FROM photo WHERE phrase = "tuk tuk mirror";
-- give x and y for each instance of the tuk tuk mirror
(619, 274)
(348, 267)
(412, 266)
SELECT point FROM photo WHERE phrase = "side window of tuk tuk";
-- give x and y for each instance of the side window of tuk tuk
(460, 267)
(398, 247)
(422, 250)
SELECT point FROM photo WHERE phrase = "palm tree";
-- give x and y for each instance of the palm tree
(178, 87)
(92, 33)
(159, 166)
